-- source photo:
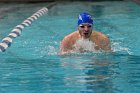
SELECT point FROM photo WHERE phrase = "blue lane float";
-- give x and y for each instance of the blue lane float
(6, 42)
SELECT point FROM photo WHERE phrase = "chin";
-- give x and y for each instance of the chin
(86, 37)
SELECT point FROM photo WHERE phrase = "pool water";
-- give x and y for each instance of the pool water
(32, 63)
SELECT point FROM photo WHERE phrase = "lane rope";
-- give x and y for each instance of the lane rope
(6, 42)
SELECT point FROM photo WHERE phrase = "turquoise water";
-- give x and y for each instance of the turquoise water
(32, 63)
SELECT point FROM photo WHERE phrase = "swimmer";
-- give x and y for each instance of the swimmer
(85, 33)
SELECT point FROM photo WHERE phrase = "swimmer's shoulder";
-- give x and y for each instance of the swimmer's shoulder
(73, 35)
(96, 34)
(68, 41)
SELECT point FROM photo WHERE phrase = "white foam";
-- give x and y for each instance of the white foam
(83, 45)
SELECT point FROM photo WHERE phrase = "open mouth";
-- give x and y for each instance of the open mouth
(85, 34)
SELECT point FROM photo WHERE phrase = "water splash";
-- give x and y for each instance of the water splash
(117, 47)
(52, 50)
(84, 45)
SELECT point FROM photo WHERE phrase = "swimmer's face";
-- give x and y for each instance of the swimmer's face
(85, 30)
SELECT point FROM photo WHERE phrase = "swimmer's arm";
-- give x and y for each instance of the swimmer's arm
(105, 45)
(102, 41)
(65, 46)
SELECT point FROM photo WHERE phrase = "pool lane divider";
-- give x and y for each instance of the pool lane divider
(6, 42)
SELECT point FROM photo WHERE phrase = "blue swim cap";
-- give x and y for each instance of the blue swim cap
(84, 18)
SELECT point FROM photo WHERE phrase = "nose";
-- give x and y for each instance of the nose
(86, 28)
